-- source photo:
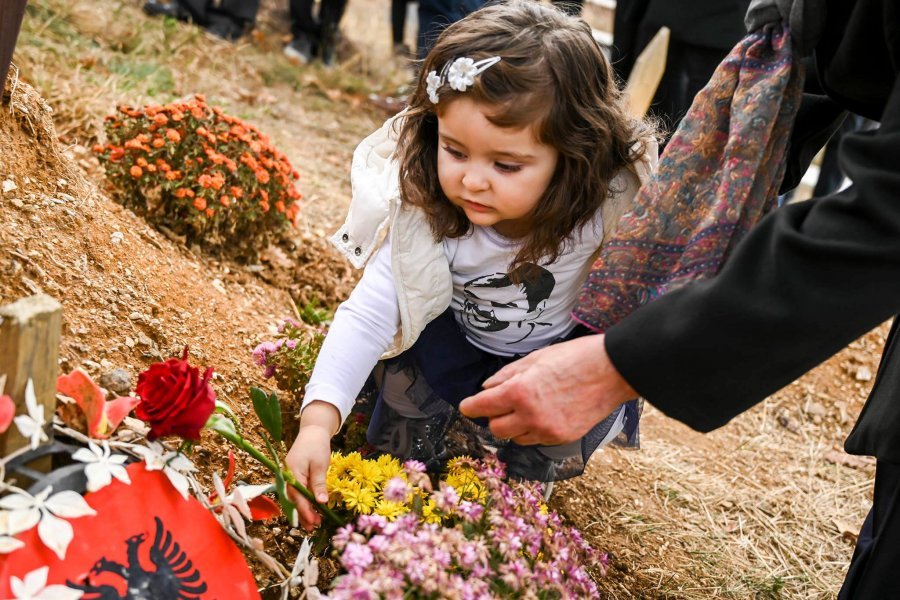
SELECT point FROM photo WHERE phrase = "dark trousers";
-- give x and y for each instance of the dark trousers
(240, 13)
(874, 571)
(303, 22)
(688, 69)
(436, 15)
(398, 20)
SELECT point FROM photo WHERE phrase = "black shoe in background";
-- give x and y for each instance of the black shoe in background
(328, 44)
(299, 50)
(223, 27)
(172, 9)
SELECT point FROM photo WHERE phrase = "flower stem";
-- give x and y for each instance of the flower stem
(289, 478)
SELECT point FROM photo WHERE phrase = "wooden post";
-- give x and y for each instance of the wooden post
(646, 74)
(29, 348)
(11, 14)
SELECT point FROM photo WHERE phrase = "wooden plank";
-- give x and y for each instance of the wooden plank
(11, 14)
(646, 74)
(29, 349)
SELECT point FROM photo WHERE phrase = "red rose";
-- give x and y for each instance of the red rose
(175, 400)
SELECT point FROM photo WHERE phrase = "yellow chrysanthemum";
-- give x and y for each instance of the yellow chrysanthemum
(361, 500)
(430, 514)
(342, 486)
(390, 467)
(367, 471)
(460, 463)
(341, 464)
(467, 484)
(333, 479)
(391, 510)
(345, 486)
(387, 459)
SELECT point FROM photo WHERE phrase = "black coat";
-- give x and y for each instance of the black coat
(713, 24)
(811, 277)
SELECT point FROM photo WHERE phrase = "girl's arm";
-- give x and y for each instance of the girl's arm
(364, 327)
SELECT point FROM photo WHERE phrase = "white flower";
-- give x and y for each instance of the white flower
(233, 507)
(461, 74)
(174, 465)
(32, 424)
(34, 587)
(249, 492)
(101, 466)
(432, 83)
(309, 579)
(7, 542)
(48, 513)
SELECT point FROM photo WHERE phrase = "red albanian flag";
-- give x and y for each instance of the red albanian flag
(146, 542)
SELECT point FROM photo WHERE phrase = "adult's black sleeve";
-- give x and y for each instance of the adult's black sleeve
(807, 280)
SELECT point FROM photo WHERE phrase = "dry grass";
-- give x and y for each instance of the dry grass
(87, 56)
(765, 507)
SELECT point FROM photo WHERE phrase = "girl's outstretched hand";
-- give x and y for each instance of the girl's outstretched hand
(552, 396)
(309, 457)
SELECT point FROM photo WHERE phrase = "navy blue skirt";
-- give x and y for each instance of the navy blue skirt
(419, 395)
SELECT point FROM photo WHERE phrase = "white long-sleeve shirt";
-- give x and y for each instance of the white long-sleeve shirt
(497, 315)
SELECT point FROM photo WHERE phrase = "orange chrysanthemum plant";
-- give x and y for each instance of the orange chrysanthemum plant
(200, 172)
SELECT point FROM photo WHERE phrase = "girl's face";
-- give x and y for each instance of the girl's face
(496, 175)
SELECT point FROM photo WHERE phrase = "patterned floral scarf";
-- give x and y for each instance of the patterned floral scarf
(719, 175)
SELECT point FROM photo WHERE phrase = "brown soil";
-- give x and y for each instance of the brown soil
(767, 506)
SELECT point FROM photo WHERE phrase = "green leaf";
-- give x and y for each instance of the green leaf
(268, 410)
(287, 507)
(417, 505)
(224, 409)
(222, 425)
(276, 416)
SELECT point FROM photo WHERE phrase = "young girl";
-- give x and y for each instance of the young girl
(493, 192)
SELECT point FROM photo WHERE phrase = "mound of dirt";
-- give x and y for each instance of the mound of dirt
(130, 295)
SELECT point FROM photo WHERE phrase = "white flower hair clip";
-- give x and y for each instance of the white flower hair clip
(460, 73)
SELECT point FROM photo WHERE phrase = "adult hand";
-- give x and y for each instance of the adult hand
(309, 457)
(554, 395)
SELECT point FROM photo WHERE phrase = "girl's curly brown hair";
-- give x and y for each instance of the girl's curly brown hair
(552, 75)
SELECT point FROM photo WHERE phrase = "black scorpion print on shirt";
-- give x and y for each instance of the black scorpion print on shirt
(515, 299)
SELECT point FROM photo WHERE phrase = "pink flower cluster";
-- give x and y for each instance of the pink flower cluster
(510, 546)
(290, 357)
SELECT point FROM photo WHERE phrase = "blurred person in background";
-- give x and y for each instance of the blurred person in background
(398, 28)
(702, 34)
(227, 19)
(435, 16)
(315, 37)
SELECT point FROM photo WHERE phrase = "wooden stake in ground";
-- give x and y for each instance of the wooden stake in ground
(11, 13)
(29, 347)
(646, 74)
